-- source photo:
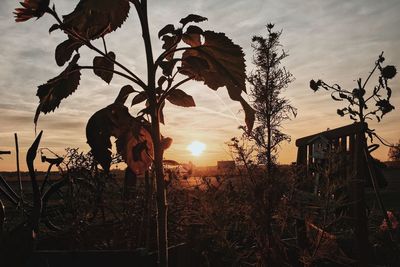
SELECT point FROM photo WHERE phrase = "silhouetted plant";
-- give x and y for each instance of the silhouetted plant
(268, 80)
(206, 56)
(268, 200)
(358, 98)
(359, 102)
(394, 152)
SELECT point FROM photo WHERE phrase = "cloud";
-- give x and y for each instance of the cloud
(335, 40)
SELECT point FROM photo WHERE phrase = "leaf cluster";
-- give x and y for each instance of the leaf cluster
(188, 51)
(361, 104)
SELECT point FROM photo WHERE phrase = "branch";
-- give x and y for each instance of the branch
(166, 53)
(89, 45)
(373, 70)
(167, 93)
(106, 70)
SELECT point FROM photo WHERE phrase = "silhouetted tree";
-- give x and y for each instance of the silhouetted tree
(189, 51)
(394, 152)
(268, 80)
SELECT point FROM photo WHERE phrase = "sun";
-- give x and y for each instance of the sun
(196, 148)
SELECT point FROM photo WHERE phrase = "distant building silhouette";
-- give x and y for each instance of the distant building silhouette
(226, 165)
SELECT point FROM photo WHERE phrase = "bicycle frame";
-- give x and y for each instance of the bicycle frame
(11, 196)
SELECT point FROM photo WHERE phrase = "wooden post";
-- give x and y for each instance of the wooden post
(357, 198)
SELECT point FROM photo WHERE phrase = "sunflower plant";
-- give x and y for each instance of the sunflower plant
(189, 53)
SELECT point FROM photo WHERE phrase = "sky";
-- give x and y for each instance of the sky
(334, 40)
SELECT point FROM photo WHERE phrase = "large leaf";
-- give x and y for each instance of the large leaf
(103, 62)
(65, 50)
(95, 18)
(180, 98)
(219, 62)
(113, 120)
(134, 142)
(51, 93)
(98, 133)
(225, 60)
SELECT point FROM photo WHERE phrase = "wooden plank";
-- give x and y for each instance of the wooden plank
(335, 133)
(343, 158)
(302, 155)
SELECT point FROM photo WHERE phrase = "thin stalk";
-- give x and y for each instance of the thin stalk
(106, 70)
(369, 76)
(21, 193)
(104, 44)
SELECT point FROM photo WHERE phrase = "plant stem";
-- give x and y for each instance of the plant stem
(162, 238)
(106, 70)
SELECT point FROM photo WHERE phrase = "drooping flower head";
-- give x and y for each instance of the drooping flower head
(30, 9)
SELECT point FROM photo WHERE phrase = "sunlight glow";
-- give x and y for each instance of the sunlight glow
(196, 148)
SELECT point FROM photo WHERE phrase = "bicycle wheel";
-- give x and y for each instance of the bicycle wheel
(68, 203)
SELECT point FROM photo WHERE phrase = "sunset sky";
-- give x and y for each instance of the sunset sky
(335, 40)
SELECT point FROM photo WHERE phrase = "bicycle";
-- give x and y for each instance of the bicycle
(78, 197)
(32, 210)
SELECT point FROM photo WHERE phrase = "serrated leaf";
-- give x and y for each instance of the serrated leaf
(92, 19)
(180, 98)
(192, 18)
(103, 62)
(123, 94)
(167, 29)
(139, 98)
(65, 50)
(51, 93)
(226, 67)
(225, 60)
